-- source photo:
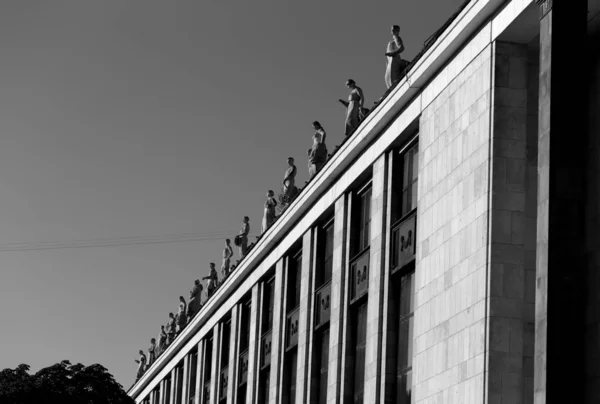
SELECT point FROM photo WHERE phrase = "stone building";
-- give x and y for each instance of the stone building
(449, 251)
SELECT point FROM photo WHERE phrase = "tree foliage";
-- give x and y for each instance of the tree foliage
(61, 383)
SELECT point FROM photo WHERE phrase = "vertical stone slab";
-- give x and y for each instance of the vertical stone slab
(233, 354)
(305, 327)
(161, 395)
(254, 344)
(338, 303)
(214, 365)
(452, 240)
(278, 333)
(560, 276)
(185, 373)
(508, 307)
(377, 276)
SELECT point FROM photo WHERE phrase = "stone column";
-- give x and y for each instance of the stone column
(254, 344)
(337, 322)
(185, 375)
(560, 320)
(304, 325)
(378, 277)
(278, 335)
(233, 354)
(215, 373)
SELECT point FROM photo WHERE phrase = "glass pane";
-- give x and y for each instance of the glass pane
(409, 344)
(404, 388)
(405, 170)
(415, 162)
(413, 194)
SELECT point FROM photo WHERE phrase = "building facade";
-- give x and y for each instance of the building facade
(447, 253)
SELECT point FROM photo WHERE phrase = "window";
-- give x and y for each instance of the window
(265, 344)
(193, 374)
(289, 377)
(267, 322)
(321, 366)
(324, 254)
(361, 221)
(360, 347)
(405, 338)
(207, 369)
(168, 390)
(243, 356)
(224, 375)
(409, 165)
(294, 277)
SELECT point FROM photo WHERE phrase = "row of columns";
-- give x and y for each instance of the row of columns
(338, 381)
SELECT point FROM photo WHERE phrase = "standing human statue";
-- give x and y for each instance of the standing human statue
(212, 278)
(141, 365)
(395, 65)
(321, 131)
(354, 106)
(227, 254)
(269, 212)
(171, 328)
(317, 156)
(195, 297)
(242, 238)
(152, 352)
(181, 315)
(289, 179)
(162, 340)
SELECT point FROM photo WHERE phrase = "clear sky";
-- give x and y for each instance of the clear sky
(146, 118)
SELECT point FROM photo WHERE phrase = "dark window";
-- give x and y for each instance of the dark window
(208, 360)
(324, 254)
(291, 364)
(268, 306)
(193, 374)
(263, 388)
(409, 161)
(168, 391)
(294, 277)
(405, 338)
(322, 362)
(179, 390)
(245, 326)
(225, 344)
(361, 221)
(360, 340)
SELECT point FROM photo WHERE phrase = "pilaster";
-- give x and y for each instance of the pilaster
(377, 277)
(305, 327)
(278, 333)
(254, 344)
(337, 330)
(234, 348)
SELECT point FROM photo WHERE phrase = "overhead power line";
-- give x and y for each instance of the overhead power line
(114, 242)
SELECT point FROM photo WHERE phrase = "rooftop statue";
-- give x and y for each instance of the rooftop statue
(171, 328)
(195, 297)
(181, 315)
(269, 212)
(162, 340)
(241, 240)
(289, 179)
(395, 65)
(321, 131)
(317, 156)
(354, 113)
(141, 365)
(212, 278)
(227, 254)
(152, 352)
